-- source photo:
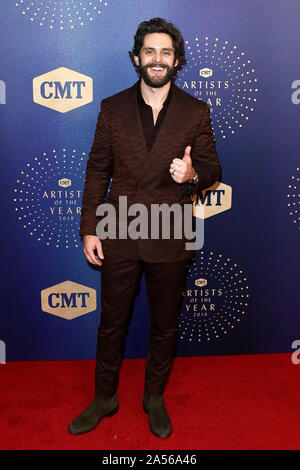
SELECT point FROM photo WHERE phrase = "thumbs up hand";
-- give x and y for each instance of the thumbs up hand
(181, 169)
(187, 155)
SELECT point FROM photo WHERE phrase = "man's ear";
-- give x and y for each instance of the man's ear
(176, 63)
(136, 60)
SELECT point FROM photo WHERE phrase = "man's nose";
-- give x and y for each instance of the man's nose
(157, 57)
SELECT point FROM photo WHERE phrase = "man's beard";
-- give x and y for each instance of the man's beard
(156, 82)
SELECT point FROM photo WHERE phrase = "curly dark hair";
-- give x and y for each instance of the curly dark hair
(159, 25)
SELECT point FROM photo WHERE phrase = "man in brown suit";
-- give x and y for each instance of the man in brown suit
(157, 144)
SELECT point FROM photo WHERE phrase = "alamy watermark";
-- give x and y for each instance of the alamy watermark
(2, 92)
(295, 97)
(164, 221)
(295, 358)
(2, 352)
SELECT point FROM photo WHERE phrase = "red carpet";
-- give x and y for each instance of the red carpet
(219, 402)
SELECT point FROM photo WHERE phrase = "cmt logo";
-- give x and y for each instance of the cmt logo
(2, 352)
(62, 89)
(212, 201)
(68, 300)
(2, 92)
(64, 182)
(206, 72)
(295, 97)
(200, 282)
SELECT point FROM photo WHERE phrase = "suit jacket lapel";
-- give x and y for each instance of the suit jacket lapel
(168, 130)
(133, 126)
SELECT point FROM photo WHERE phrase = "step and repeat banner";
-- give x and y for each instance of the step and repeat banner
(59, 59)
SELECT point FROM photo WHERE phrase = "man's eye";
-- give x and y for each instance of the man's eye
(148, 52)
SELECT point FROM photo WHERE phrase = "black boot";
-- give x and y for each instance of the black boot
(159, 420)
(98, 409)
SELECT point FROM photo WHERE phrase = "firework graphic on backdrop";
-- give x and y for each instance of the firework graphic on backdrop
(216, 299)
(61, 15)
(293, 198)
(221, 75)
(47, 197)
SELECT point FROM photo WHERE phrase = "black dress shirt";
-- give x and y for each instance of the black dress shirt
(151, 130)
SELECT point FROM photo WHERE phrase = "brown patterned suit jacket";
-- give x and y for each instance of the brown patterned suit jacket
(119, 151)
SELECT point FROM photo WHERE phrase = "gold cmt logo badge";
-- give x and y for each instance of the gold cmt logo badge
(205, 72)
(62, 89)
(64, 182)
(200, 282)
(68, 300)
(212, 201)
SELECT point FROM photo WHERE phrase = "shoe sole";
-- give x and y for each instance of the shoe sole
(152, 430)
(111, 413)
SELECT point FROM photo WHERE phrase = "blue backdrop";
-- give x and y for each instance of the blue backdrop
(243, 58)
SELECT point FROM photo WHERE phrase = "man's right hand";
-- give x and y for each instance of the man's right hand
(90, 244)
